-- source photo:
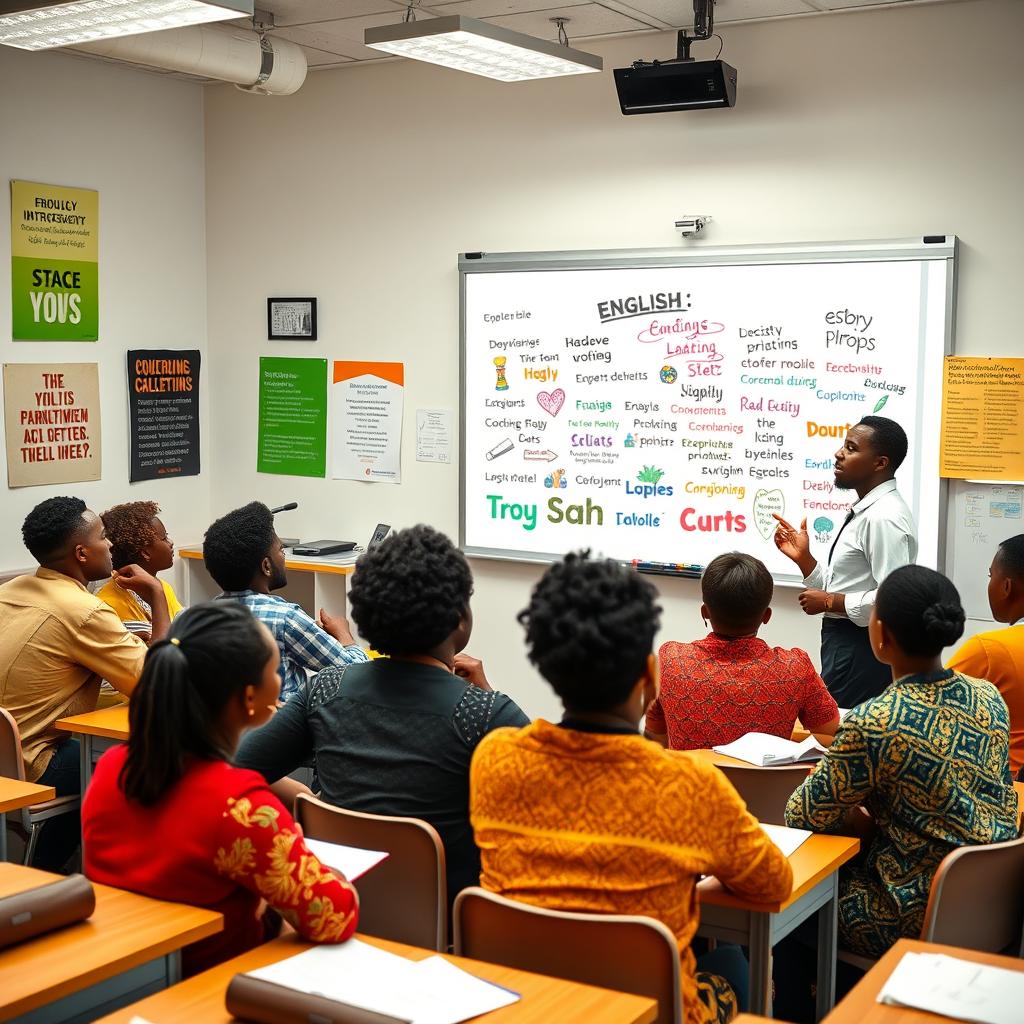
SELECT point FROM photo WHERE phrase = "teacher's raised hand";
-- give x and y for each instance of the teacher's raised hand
(793, 543)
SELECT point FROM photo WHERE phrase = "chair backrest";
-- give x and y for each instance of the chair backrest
(629, 954)
(405, 898)
(766, 791)
(12, 762)
(977, 899)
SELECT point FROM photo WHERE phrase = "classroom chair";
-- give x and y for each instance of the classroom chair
(12, 766)
(623, 952)
(766, 791)
(405, 898)
(976, 901)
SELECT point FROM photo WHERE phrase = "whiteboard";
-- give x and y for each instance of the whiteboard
(660, 405)
(984, 515)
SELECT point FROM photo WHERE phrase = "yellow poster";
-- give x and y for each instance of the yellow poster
(54, 262)
(982, 419)
(52, 420)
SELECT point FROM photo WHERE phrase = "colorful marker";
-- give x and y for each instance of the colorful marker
(668, 568)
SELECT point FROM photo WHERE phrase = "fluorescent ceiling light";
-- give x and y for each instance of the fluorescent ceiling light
(37, 25)
(480, 48)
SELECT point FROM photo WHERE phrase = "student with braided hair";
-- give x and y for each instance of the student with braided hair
(588, 815)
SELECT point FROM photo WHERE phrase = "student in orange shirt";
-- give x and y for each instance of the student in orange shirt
(998, 655)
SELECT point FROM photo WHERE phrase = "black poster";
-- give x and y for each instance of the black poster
(163, 411)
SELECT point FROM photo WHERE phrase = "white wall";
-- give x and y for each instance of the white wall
(363, 187)
(138, 139)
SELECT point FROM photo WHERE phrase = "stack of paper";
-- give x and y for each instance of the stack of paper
(431, 991)
(956, 988)
(786, 839)
(351, 861)
(764, 750)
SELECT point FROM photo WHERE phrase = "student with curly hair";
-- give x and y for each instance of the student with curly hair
(395, 735)
(167, 815)
(245, 556)
(587, 815)
(58, 641)
(927, 761)
(137, 535)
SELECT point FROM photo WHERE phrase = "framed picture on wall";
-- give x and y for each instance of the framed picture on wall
(291, 319)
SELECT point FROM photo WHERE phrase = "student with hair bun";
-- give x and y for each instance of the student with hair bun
(587, 815)
(926, 763)
(167, 815)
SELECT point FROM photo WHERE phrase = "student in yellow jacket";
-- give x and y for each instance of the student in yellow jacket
(137, 536)
(588, 815)
(998, 655)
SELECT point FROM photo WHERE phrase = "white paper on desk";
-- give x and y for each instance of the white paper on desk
(786, 839)
(955, 988)
(763, 750)
(351, 861)
(363, 975)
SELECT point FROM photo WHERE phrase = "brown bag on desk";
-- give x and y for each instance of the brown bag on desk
(45, 908)
(263, 1002)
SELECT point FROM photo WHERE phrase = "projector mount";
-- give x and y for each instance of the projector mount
(703, 28)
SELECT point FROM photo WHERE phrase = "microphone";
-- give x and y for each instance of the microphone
(284, 508)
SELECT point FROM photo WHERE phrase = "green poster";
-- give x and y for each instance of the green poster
(293, 417)
(54, 262)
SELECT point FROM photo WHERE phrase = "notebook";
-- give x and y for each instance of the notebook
(764, 750)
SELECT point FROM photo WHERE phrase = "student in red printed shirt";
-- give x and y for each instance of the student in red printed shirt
(715, 690)
(169, 816)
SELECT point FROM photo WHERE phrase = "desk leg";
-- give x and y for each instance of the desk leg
(828, 931)
(84, 759)
(3, 838)
(760, 964)
(173, 961)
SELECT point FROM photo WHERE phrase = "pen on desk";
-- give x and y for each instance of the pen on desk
(668, 568)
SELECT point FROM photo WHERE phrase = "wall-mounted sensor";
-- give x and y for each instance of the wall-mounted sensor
(692, 224)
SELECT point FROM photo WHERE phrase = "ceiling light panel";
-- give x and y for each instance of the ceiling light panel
(466, 44)
(38, 26)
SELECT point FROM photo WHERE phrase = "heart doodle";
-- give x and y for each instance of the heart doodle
(551, 401)
(765, 503)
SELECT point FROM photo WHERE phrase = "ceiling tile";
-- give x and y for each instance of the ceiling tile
(498, 8)
(583, 20)
(839, 5)
(680, 15)
(305, 12)
(344, 37)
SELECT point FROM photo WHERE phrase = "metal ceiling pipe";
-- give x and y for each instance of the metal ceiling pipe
(263, 64)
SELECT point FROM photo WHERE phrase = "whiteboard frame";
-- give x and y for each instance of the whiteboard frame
(929, 247)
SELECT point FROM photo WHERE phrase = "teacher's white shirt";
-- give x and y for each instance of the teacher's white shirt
(878, 539)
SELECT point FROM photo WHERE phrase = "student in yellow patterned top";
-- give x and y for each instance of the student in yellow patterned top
(137, 536)
(927, 760)
(588, 815)
(998, 655)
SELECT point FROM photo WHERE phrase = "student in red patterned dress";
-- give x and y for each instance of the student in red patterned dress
(716, 690)
(167, 815)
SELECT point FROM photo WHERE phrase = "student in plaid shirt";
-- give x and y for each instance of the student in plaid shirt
(245, 556)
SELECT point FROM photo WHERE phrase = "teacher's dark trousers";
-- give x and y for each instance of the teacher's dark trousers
(848, 665)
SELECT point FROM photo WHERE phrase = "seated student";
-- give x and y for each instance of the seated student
(395, 735)
(57, 642)
(927, 760)
(587, 815)
(998, 655)
(169, 816)
(715, 690)
(137, 535)
(245, 556)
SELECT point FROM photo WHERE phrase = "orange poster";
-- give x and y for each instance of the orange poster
(982, 419)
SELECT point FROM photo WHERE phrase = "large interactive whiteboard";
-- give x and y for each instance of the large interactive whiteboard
(662, 404)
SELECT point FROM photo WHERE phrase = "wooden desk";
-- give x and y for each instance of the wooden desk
(97, 731)
(860, 1006)
(129, 947)
(14, 795)
(200, 1000)
(731, 918)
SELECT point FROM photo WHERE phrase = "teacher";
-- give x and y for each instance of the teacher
(876, 537)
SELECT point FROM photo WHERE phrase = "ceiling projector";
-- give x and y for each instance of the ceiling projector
(662, 86)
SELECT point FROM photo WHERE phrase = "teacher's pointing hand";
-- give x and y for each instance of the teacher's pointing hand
(793, 543)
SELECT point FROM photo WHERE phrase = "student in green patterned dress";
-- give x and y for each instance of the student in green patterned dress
(917, 771)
